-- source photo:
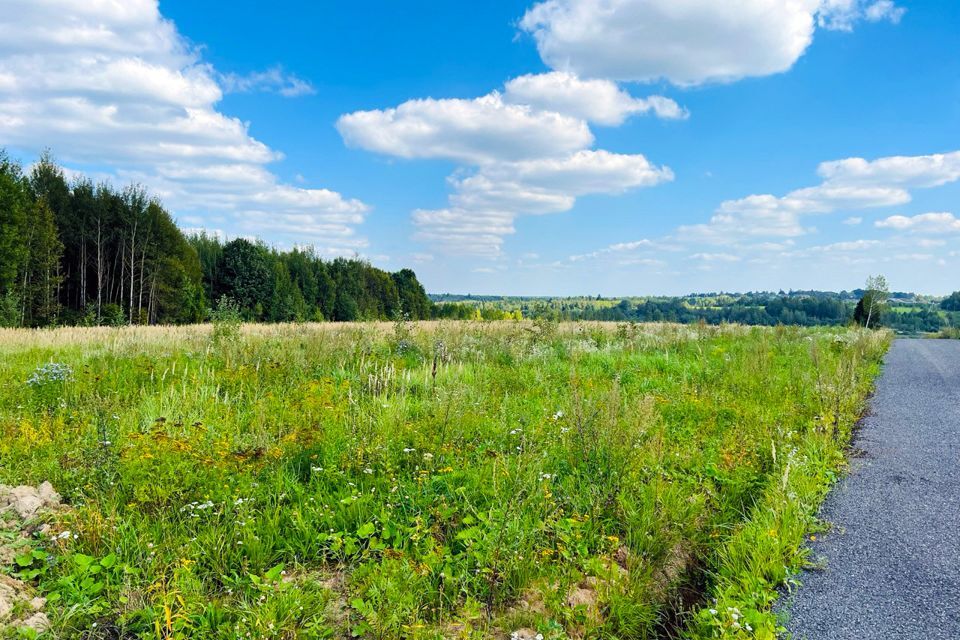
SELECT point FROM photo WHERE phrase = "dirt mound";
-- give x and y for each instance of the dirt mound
(19, 604)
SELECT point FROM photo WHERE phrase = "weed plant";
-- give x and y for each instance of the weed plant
(458, 480)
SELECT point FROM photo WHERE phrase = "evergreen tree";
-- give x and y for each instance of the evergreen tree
(40, 274)
(14, 202)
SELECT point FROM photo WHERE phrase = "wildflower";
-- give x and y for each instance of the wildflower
(408, 450)
(368, 471)
(558, 415)
(428, 456)
(52, 372)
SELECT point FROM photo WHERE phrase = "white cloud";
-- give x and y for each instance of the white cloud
(521, 158)
(716, 257)
(111, 83)
(733, 228)
(687, 42)
(273, 80)
(931, 170)
(548, 185)
(617, 248)
(477, 131)
(486, 202)
(842, 15)
(600, 101)
(924, 223)
(461, 231)
(849, 184)
(850, 245)
(853, 221)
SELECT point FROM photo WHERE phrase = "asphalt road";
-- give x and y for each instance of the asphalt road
(893, 553)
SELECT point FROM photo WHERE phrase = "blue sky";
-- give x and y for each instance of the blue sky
(649, 146)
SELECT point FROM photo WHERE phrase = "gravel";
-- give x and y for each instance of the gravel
(892, 556)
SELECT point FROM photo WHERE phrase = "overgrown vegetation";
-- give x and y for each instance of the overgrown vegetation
(426, 480)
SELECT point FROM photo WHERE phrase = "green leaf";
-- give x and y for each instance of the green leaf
(108, 561)
(273, 575)
(82, 560)
(470, 533)
(366, 530)
(24, 560)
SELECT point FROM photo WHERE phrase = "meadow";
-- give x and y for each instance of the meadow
(426, 480)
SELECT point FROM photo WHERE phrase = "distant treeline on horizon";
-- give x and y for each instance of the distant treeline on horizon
(907, 312)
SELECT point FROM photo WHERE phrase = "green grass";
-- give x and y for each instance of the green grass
(434, 481)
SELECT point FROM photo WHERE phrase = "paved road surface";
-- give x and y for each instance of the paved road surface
(893, 556)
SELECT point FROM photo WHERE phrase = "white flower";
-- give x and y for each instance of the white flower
(428, 456)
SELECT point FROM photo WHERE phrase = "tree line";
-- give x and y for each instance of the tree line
(871, 306)
(75, 252)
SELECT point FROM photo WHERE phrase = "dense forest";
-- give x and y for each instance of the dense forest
(75, 252)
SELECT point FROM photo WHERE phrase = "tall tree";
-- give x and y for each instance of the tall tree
(873, 303)
(40, 277)
(13, 207)
(413, 298)
(246, 276)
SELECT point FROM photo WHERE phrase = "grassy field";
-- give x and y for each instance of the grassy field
(459, 480)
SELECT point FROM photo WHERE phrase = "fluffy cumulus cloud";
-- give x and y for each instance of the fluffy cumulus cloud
(526, 151)
(112, 83)
(849, 184)
(924, 223)
(599, 101)
(480, 130)
(687, 42)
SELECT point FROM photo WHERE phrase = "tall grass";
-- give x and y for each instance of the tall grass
(436, 480)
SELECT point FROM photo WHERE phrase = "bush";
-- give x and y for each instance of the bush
(226, 319)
